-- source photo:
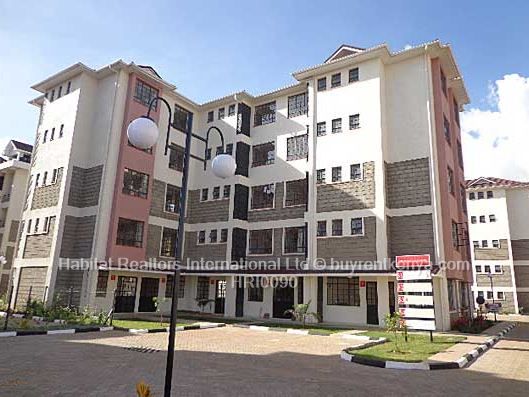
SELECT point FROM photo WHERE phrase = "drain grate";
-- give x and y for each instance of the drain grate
(141, 349)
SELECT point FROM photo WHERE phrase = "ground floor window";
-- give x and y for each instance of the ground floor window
(255, 289)
(169, 287)
(343, 291)
(203, 288)
(102, 283)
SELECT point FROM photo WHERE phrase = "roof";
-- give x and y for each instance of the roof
(343, 51)
(22, 146)
(488, 182)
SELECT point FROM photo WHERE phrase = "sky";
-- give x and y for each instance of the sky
(209, 49)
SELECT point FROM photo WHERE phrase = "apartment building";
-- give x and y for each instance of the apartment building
(499, 233)
(355, 163)
(14, 172)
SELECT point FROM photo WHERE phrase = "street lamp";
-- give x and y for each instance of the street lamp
(143, 133)
(489, 275)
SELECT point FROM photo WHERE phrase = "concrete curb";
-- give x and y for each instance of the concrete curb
(425, 365)
(75, 330)
(166, 329)
(293, 331)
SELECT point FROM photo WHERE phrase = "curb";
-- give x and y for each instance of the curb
(293, 331)
(166, 329)
(425, 365)
(75, 330)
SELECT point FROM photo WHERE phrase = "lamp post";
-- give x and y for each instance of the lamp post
(489, 275)
(143, 133)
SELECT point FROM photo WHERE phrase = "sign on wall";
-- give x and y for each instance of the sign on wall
(415, 291)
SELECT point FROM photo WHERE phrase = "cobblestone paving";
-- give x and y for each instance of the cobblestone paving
(232, 361)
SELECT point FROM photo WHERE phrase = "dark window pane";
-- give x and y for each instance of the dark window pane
(168, 242)
(297, 147)
(144, 93)
(263, 154)
(261, 241)
(298, 105)
(263, 196)
(130, 233)
(265, 114)
(135, 183)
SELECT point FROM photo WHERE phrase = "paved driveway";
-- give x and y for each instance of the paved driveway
(232, 361)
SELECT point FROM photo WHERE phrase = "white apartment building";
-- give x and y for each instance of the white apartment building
(14, 172)
(497, 210)
(358, 161)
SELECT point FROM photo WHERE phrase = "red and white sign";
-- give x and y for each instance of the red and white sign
(414, 287)
(419, 300)
(412, 261)
(408, 275)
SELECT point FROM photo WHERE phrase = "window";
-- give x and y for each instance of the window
(320, 176)
(210, 116)
(231, 110)
(135, 183)
(490, 194)
(322, 84)
(337, 227)
(169, 286)
(336, 174)
(218, 150)
(489, 295)
(255, 289)
(204, 194)
(263, 196)
(52, 95)
(463, 198)
(213, 236)
(172, 198)
(336, 126)
(168, 245)
(478, 269)
(496, 243)
(176, 158)
(45, 136)
(216, 192)
(180, 117)
(263, 154)
(29, 227)
(265, 113)
(354, 76)
(46, 224)
(354, 121)
(446, 129)
(460, 154)
(229, 148)
(357, 226)
(201, 237)
(482, 219)
(473, 219)
(69, 87)
(500, 295)
(102, 283)
(481, 195)
(343, 291)
(322, 229)
(208, 154)
(475, 243)
(296, 193)
(455, 235)
(130, 233)
(203, 288)
(297, 147)
(61, 131)
(484, 244)
(144, 93)
(221, 113)
(226, 191)
(451, 186)
(223, 235)
(298, 105)
(261, 241)
(37, 180)
(54, 176)
(492, 218)
(356, 172)
(480, 293)
(497, 269)
(294, 240)
(45, 178)
(52, 136)
(321, 129)
(336, 80)
(443, 82)
(456, 112)
(472, 196)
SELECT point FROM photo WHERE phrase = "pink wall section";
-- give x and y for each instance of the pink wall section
(447, 154)
(124, 205)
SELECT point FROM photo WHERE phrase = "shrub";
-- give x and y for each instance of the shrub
(471, 325)
(3, 303)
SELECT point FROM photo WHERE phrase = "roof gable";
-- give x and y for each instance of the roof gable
(343, 51)
(495, 182)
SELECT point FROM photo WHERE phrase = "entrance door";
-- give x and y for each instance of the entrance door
(372, 302)
(239, 297)
(220, 296)
(149, 291)
(391, 294)
(126, 294)
(283, 301)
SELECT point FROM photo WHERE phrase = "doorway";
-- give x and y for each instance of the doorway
(126, 294)
(149, 291)
(372, 302)
(220, 296)
(283, 301)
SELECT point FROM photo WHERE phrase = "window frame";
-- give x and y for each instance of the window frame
(123, 240)
(336, 129)
(258, 157)
(261, 250)
(144, 93)
(354, 121)
(300, 146)
(134, 191)
(265, 113)
(263, 203)
(343, 291)
(168, 243)
(298, 105)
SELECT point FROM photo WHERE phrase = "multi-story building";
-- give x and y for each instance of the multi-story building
(497, 210)
(14, 172)
(358, 161)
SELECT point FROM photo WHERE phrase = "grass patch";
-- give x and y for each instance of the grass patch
(142, 324)
(417, 349)
(20, 324)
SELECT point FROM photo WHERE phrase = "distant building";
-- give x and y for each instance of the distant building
(14, 171)
(498, 211)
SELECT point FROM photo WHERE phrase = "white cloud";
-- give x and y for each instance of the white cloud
(496, 142)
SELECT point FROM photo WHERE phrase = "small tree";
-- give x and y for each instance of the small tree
(396, 324)
(301, 313)
(158, 302)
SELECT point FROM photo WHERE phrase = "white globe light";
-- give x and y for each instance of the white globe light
(223, 166)
(143, 133)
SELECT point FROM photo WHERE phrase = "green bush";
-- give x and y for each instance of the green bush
(3, 303)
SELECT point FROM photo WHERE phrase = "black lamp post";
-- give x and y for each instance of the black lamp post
(143, 133)
(489, 274)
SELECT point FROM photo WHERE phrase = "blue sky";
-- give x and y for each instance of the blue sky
(212, 48)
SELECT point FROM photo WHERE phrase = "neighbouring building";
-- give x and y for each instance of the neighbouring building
(14, 171)
(359, 160)
(499, 231)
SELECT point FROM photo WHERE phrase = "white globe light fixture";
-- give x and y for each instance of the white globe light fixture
(143, 132)
(223, 166)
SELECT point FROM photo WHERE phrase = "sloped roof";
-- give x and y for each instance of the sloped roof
(495, 182)
(22, 146)
(343, 51)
